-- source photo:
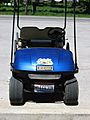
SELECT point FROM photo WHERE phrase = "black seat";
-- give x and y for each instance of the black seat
(34, 33)
(47, 37)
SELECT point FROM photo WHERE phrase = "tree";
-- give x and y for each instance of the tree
(26, 3)
(88, 7)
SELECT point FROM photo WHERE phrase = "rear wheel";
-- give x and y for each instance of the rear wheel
(71, 92)
(16, 92)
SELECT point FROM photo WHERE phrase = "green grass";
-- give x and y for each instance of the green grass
(43, 10)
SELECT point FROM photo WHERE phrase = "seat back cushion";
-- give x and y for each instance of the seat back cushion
(34, 33)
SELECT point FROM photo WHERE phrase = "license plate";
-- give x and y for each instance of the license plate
(44, 68)
(43, 88)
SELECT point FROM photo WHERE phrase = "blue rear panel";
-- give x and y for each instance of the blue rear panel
(28, 59)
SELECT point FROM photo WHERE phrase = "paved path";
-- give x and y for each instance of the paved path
(83, 38)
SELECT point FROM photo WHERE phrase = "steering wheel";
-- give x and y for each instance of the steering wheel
(56, 33)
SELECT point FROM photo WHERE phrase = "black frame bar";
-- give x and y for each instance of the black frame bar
(18, 15)
(65, 22)
(75, 41)
(13, 30)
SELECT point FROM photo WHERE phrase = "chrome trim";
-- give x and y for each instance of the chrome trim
(44, 76)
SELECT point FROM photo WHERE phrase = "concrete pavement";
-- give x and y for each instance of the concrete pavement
(41, 111)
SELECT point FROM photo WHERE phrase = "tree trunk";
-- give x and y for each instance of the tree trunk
(26, 7)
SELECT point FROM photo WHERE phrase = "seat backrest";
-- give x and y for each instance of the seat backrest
(34, 33)
(42, 37)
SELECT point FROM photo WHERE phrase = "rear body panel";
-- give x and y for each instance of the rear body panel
(55, 60)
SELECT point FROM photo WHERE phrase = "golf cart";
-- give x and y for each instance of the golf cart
(40, 64)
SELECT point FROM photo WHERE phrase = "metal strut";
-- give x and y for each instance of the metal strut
(14, 10)
(18, 15)
(75, 42)
(65, 14)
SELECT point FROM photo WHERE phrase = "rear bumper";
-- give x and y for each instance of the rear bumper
(29, 77)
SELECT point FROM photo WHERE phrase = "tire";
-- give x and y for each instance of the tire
(16, 92)
(71, 92)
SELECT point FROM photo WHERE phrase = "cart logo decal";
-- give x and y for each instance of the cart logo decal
(44, 61)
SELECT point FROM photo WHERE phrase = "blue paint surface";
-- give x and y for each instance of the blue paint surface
(26, 59)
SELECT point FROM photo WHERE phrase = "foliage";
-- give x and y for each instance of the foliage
(82, 7)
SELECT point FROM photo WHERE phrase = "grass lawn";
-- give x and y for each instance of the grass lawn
(42, 10)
